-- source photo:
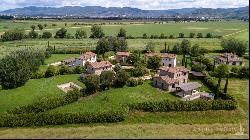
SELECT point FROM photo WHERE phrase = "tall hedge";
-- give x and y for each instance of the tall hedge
(59, 118)
(195, 105)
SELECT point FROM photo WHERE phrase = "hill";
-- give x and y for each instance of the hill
(98, 11)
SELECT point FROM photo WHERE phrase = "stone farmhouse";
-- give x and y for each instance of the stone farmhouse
(179, 73)
(167, 59)
(229, 59)
(122, 56)
(170, 77)
(85, 57)
(98, 67)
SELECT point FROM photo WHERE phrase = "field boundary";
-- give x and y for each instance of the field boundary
(235, 33)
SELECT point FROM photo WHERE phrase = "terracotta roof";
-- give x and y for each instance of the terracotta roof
(189, 86)
(123, 53)
(87, 55)
(174, 69)
(162, 55)
(100, 64)
(167, 79)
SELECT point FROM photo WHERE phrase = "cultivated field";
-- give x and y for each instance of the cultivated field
(192, 124)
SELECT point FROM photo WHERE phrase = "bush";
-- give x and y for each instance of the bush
(37, 75)
(12, 35)
(79, 69)
(65, 70)
(51, 71)
(195, 105)
(198, 67)
(46, 104)
(59, 118)
(47, 35)
(133, 82)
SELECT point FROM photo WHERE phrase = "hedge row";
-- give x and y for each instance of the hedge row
(46, 104)
(195, 105)
(41, 119)
(70, 51)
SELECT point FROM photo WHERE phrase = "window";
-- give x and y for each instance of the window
(169, 65)
(173, 86)
(162, 64)
(155, 82)
(102, 68)
(162, 85)
(234, 63)
(184, 80)
(184, 73)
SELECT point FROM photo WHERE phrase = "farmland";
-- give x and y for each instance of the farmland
(138, 124)
(218, 28)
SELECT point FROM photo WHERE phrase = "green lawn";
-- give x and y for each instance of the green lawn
(34, 90)
(240, 89)
(59, 57)
(113, 99)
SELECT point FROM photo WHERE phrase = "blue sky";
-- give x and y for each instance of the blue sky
(142, 4)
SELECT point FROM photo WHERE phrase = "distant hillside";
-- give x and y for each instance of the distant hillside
(98, 11)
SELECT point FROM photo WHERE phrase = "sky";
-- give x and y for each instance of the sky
(141, 4)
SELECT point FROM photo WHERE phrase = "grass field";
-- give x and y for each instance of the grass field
(171, 131)
(218, 28)
(113, 99)
(240, 89)
(34, 90)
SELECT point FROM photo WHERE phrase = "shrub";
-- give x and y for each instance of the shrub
(195, 105)
(79, 69)
(59, 118)
(37, 75)
(121, 78)
(133, 82)
(92, 83)
(47, 35)
(51, 71)
(65, 70)
(198, 67)
(139, 71)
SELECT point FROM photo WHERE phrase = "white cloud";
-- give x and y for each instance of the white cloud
(142, 4)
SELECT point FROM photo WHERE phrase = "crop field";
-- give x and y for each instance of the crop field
(191, 124)
(90, 44)
(136, 30)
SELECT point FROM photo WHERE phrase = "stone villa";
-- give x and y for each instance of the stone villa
(167, 59)
(122, 56)
(229, 58)
(85, 57)
(98, 67)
